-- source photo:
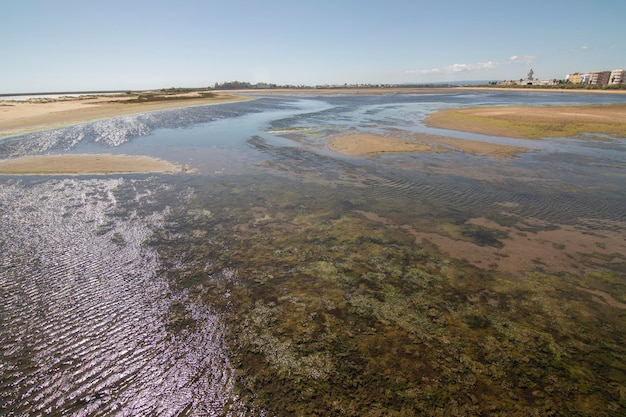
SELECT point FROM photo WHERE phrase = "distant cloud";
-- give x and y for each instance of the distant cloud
(456, 68)
(582, 48)
(523, 59)
(479, 66)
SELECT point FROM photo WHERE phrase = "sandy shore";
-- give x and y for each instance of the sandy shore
(18, 117)
(544, 90)
(535, 122)
(85, 164)
(365, 144)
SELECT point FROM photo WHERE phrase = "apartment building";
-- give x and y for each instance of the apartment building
(575, 78)
(617, 77)
(600, 77)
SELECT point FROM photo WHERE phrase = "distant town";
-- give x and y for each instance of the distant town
(576, 79)
(595, 80)
(604, 80)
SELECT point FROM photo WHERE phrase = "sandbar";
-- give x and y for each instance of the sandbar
(368, 144)
(85, 164)
(535, 122)
(18, 117)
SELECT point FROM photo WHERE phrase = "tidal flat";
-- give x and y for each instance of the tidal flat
(279, 277)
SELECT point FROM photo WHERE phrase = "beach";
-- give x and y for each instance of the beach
(19, 117)
(38, 114)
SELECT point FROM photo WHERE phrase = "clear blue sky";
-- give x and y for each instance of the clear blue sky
(68, 45)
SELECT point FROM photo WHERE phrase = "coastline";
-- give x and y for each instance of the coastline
(406, 90)
(20, 117)
(543, 90)
(40, 114)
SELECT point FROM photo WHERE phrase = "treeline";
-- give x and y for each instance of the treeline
(243, 85)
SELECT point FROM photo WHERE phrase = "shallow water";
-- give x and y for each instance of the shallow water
(284, 279)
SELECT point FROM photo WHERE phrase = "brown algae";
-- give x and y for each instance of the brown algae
(334, 313)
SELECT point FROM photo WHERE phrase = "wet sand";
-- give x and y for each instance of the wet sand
(18, 117)
(38, 114)
(535, 122)
(85, 164)
(366, 144)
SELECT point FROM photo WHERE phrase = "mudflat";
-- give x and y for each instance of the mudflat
(535, 122)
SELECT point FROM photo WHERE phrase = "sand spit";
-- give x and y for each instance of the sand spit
(364, 144)
(535, 122)
(86, 164)
(17, 117)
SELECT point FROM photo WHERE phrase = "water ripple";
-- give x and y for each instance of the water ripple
(85, 314)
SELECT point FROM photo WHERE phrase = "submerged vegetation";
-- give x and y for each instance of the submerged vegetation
(331, 313)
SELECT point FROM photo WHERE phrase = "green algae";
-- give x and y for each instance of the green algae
(329, 313)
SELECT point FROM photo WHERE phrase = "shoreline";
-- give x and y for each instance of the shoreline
(544, 90)
(405, 90)
(40, 114)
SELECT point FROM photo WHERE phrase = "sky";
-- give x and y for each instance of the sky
(71, 45)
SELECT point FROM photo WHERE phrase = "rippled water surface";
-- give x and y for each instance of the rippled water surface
(280, 278)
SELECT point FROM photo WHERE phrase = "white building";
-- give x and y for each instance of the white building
(585, 78)
(617, 77)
